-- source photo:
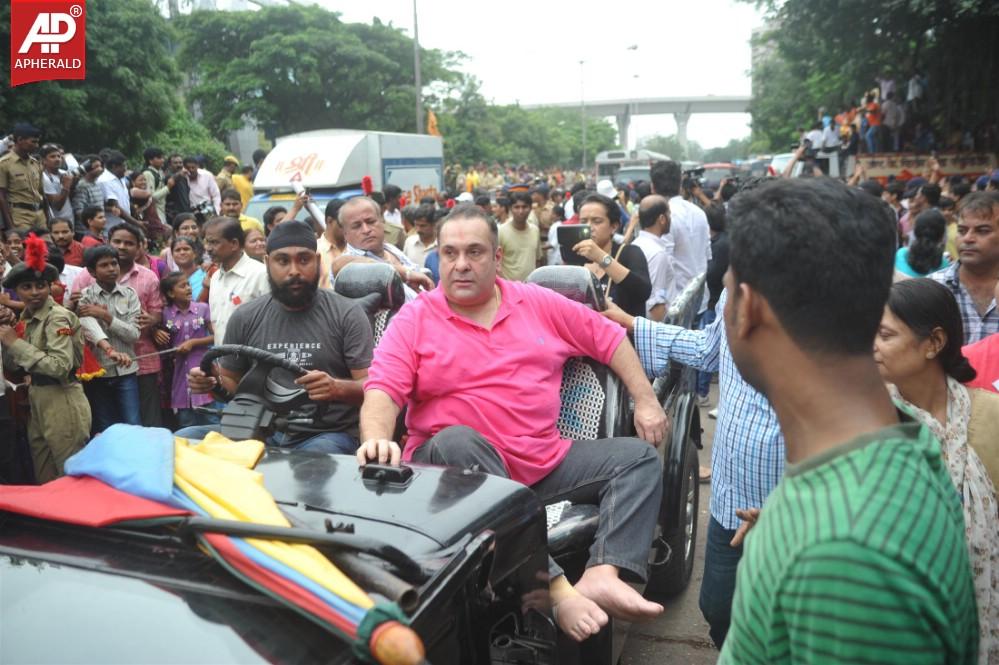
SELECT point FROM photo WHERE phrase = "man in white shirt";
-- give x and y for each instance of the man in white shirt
(654, 220)
(239, 278)
(364, 229)
(115, 187)
(56, 183)
(201, 185)
(422, 241)
(688, 227)
(391, 212)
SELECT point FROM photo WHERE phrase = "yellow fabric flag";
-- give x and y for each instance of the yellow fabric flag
(432, 123)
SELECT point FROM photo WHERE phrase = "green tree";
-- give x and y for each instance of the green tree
(670, 145)
(129, 92)
(731, 151)
(475, 131)
(185, 136)
(825, 54)
(299, 68)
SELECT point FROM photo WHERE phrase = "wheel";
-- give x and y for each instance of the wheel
(673, 552)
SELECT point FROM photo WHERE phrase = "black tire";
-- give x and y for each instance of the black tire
(673, 576)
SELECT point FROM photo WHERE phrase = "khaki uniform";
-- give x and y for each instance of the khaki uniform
(22, 178)
(224, 181)
(51, 351)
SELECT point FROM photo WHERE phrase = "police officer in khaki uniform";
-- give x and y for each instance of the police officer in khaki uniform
(22, 202)
(47, 343)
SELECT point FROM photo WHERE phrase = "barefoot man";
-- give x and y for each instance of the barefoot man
(478, 362)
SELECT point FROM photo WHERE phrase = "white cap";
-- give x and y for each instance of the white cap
(465, 197)
(607, 188)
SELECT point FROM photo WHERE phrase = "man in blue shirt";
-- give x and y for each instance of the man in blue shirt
(747, 458)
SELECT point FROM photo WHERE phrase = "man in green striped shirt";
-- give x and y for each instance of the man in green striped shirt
(858, 555)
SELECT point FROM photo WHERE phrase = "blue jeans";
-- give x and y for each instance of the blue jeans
(873, 138)
(704, 378)
(718, 587)
(337, 443)
(113, 400)
(193, 418)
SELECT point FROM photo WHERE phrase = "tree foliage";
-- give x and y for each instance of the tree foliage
(828, 53)
(298, 68)
(670, 145)
(476, 131)
(129, 92)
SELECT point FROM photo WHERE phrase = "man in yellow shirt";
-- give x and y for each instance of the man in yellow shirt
(243, 183)
(232, 206)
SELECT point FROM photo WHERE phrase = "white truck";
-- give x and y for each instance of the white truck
(331, 164)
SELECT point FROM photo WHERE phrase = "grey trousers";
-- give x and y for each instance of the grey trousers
(622, 475)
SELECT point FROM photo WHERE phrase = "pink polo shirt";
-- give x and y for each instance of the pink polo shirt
(503, 383)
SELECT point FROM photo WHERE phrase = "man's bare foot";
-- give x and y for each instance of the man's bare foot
(602, 585)
(579, 617)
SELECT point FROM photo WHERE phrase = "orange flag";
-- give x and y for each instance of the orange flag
(432, 123)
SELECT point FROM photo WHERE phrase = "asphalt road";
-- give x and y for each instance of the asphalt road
(680, 634)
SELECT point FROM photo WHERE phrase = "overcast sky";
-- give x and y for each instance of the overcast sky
(530, 52)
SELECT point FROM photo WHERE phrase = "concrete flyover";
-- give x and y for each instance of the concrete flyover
(680, 107)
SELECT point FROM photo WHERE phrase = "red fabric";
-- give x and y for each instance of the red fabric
(81, 500)
(984, 357)
(292, 593)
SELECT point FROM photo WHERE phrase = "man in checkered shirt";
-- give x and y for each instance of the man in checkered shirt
(972, 278)
(747, 458)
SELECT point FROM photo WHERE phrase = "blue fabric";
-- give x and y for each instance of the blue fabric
(133, 459)
(747, 456)
(433, 263)
(902, 264)
(704, 378)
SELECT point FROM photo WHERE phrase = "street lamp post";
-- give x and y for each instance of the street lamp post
(582, 114)
(416, 72)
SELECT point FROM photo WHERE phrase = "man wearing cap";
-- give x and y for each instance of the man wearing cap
(22, 203)
(224, 177)
(48, 344)
(323, 332)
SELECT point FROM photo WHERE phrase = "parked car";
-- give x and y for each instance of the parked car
(468, 562)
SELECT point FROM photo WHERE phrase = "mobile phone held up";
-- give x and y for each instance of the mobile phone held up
(569, 236)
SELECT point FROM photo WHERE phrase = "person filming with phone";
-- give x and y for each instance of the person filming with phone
(621, 268)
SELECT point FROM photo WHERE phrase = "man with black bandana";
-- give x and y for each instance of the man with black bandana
(324, 333)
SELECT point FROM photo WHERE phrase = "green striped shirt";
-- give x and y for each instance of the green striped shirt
(858, 557)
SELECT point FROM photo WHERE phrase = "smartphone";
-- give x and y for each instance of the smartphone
(569, 236)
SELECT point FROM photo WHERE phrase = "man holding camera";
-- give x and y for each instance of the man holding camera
(22, 202)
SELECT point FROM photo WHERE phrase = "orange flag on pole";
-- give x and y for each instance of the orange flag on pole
(432, 123)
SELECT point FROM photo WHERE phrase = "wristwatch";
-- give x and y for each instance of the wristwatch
(606, 261)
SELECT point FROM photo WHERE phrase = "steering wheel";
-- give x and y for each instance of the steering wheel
(261, 360)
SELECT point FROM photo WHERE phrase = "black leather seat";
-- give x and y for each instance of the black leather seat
(594, 406)
(379, 289)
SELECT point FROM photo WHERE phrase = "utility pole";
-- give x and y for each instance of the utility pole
(582, 113)
(416, 72)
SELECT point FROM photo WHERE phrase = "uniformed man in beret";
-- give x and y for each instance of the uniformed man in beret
(48, 344)
(22, 203)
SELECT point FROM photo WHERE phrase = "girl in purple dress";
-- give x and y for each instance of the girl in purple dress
(189, 331)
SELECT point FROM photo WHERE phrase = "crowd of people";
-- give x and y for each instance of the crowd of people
(853, 328)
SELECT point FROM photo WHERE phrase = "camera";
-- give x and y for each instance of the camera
(692, 178)
(203, 211)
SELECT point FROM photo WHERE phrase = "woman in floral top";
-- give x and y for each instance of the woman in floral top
(918, 351)
(188, 330)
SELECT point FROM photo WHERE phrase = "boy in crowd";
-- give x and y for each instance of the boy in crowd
(109, 314)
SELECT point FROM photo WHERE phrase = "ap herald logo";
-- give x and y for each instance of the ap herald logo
(48, 40)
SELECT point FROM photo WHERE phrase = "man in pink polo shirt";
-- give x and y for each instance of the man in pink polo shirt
(478, 361)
